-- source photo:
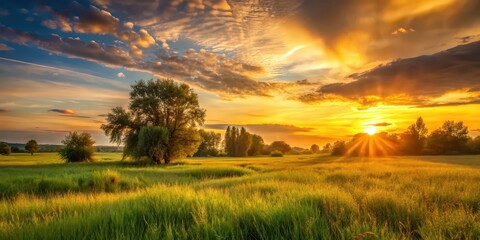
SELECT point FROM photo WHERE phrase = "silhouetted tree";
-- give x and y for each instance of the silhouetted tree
(413, 140)
(327, 148)
(78, 147)
(15, 149)
(280, 146)
(31, 146)
(209, 145)
(474, 145)
(158, 103)
(339, 148)
(315, 148)
(451, 138)
(5, 149)
(257, 146)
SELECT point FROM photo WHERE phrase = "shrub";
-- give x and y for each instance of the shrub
(276, 154)
(78, 147)
(5, 149)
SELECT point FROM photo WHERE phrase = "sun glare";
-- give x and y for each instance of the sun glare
(371, 130)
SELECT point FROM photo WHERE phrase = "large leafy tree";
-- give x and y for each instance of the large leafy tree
(32, 146)
(160, 123)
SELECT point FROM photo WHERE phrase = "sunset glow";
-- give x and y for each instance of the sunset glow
(304, 71)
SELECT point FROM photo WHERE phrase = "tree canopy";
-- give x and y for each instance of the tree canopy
(32, 146)
(160, 123)
(78, 147)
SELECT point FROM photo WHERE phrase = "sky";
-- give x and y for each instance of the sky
(302, 71)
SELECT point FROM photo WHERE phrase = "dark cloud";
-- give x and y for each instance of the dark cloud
(102, 115)
(63, 111)
(382, 124)
(75, 47)
(475, 130)
(3, 110)
(411, 81)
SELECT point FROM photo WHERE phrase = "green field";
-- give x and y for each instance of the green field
(294, 197)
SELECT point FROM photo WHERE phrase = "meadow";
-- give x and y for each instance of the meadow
(290, 197)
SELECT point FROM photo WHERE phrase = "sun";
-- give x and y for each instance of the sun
(371, 130)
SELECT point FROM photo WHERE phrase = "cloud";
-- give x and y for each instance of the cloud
(50, 24)
(3, 110)
(75, 47)
(382, 124)
(92, 20)
(120, 75)
(403, 31)
(411, 81)
(4, 47)
(212, 72)
(63, 111)
(475, 130)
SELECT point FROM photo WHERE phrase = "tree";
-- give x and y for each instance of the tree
(257, 146)
(15, 149)
(32, 146)
(5, 149)
(243, 143)
(315, 148)
(413, 140)
(280, 146)
(451, 138)
(209, 145)
(474, 145)
(327, 148)
(339, 148)
(157, 103)
(78, 147)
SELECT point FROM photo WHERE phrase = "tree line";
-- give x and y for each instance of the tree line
(449, 139)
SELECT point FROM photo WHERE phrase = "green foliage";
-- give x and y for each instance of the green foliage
(157, 103)
(5, 149)
(244, 143)
(257, 146)
(276, 153)
(210, 142)
(78, 147)
(32, 147)
(152, 143)
(280, 146)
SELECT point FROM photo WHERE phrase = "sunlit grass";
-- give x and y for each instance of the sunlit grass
(294, 197)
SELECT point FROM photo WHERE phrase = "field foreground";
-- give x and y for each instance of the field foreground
(294, 197)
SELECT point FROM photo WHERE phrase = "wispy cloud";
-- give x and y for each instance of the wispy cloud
(63, 111)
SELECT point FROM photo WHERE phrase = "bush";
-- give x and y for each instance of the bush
(78, 147)
(5, 149)
(276, 154)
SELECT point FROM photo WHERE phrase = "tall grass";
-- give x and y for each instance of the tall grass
(294, 197)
